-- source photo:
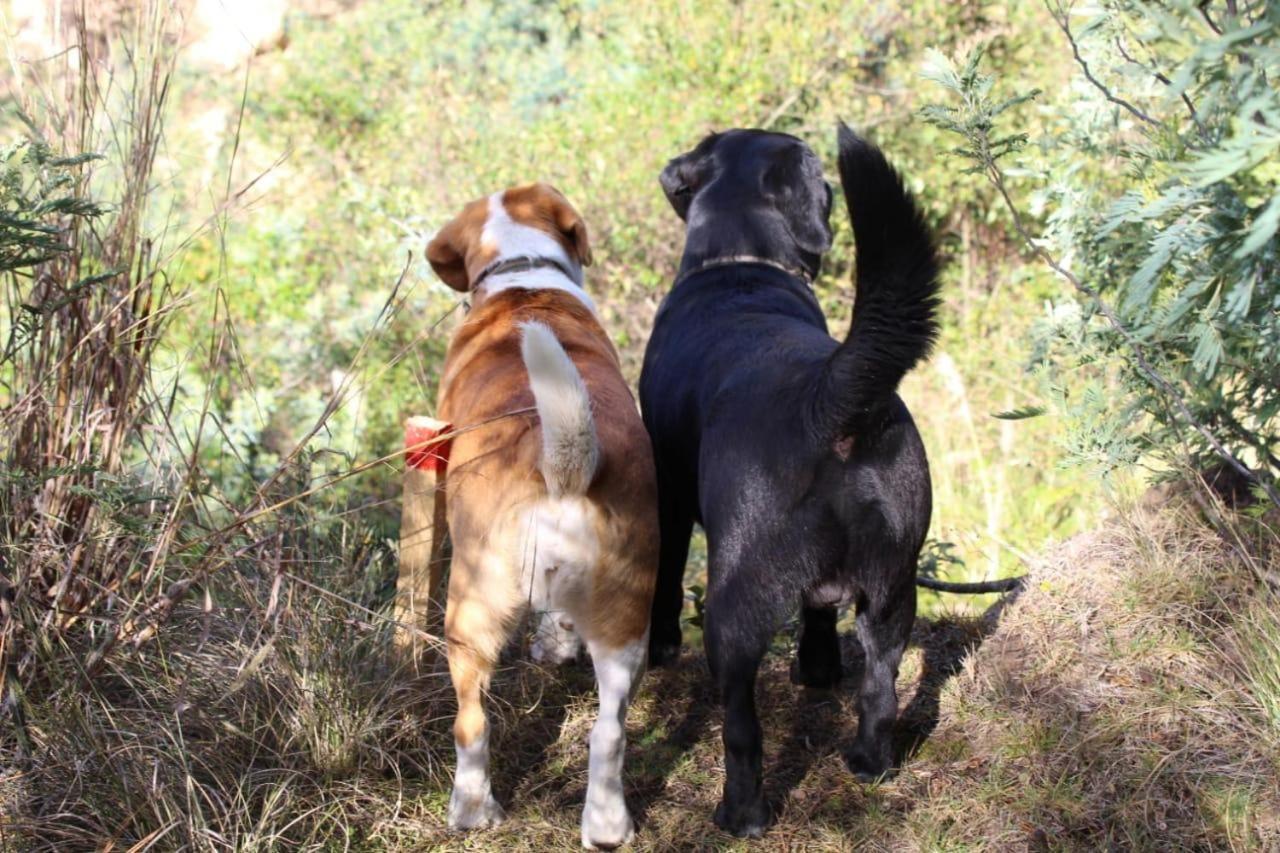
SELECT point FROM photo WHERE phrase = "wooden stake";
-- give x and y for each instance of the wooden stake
(423, 532)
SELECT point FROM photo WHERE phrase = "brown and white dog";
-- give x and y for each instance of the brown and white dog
(550, 488)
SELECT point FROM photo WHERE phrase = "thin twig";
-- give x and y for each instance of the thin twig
(1191, 108)
(245, 518)
(1203, 6)
(1059, 16)
(382, 617)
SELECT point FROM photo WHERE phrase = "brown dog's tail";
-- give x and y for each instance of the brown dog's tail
(570, 449)
(896, 302)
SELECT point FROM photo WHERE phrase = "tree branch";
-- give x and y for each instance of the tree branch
(1059, 16)
(1191, 108)
(1144, 367)
(1203, 6)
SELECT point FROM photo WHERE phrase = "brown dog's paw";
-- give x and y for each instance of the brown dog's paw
(474, 813)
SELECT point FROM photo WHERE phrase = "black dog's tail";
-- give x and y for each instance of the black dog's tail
(894, 323)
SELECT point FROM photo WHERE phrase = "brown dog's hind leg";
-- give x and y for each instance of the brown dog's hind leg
(473, 650)
(606, 823)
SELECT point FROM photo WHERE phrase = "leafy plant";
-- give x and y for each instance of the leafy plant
(1175, 263)
(37, 189)
(935, 555)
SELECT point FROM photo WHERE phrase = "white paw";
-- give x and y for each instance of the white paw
(607, 827)
(474, 812)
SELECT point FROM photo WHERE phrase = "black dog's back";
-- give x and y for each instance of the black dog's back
(791, 448)
(745, 349)
(736, 397)
(726, 338)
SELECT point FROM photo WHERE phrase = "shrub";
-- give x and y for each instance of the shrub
(1174, 258)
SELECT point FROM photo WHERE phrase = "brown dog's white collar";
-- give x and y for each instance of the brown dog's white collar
(520, 263)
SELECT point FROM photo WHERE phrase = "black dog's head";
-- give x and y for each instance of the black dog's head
(751, 192)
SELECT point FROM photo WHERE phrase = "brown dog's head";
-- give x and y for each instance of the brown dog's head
(534, 220)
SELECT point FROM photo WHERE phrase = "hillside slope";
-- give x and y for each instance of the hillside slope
(1130, 698)
(1126, 700)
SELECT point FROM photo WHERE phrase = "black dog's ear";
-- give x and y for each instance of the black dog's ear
(684, 176)
(794, 183)
(677, 184)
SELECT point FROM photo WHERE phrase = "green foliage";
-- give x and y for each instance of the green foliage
(936, 554)
(39, 194)
(398, 116)
(977, 118)
(37, 188)
(1021, 413)
(1177, 249)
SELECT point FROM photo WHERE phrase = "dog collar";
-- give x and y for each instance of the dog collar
(520, 263)
(731, 260)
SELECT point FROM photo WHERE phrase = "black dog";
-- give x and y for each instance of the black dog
(791, 449)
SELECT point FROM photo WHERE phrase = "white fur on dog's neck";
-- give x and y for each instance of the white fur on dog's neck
(513, 240)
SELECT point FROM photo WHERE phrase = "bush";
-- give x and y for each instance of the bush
(1174, 257)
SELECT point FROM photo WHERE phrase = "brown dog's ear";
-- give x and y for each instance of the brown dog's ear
(447, 253)
(570, 225)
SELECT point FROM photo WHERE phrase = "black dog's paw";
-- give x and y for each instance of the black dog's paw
(747, 821)
(868, 770)
(663, 653)
(818, 675)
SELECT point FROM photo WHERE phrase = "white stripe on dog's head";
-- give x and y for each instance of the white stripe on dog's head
(511, 238)
(534, 221)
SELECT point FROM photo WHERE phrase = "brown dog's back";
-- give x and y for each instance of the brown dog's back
(496, 490)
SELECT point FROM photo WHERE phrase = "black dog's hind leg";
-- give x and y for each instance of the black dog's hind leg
(885, 617)
(675, 520)
(737, 634)
(818, 657)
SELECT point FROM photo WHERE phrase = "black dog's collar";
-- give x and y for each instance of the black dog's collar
(520, 263)
(731, 260)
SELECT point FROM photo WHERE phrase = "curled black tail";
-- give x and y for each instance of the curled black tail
(894, 322)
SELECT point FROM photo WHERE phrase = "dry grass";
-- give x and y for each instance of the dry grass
(84, 324)
(226, 733)
(1121, 703)
(1126, 700)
